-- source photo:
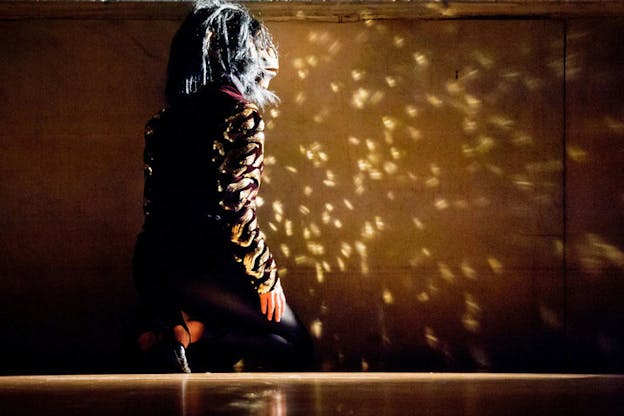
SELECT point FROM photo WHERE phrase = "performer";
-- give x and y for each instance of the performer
(208, 281)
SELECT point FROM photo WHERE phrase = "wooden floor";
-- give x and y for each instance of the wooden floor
(281, 394)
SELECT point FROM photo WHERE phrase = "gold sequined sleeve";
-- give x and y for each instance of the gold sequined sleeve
(239, 176)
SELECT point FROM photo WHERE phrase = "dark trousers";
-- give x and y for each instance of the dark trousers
(213, 292)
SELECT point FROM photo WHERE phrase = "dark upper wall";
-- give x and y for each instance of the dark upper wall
(423, 180)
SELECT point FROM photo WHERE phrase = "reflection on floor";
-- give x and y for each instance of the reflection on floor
(281, 394)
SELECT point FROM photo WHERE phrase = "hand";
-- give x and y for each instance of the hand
(273, 303)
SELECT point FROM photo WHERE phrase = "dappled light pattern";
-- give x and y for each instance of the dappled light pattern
(405, 174)
(413, 196)
(596, 207)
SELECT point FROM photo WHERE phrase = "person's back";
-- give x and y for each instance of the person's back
(201, 263)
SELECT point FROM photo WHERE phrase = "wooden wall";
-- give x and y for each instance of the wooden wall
(440, 193)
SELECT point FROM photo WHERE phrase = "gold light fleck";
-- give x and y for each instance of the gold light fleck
(430, 337)
(469, 125)
(558, 247)
(346, 249)
(421, 59)
(313, 36)
(495, 265)
(368, 232)
(334, 48)
(454, 87)
(315, 248)
(300, 98)
(379, 223)
(341, 264)
(502, 122)
(468, 271)
(298, 63)
(316, 231)
(441, 204)
(435, 169)
(411, 110)
(387, 297)
(483, 60)
(496, 170)
(615, 125)
(303, 260)
(288, 228)
(389, 122)
(388, 137)
(390, 167)
(312, 60)
(522, 139)
(360, 98)
(391, 81)
(398, 41)
(278, 207)
(377, 97)
(414, 133)
(396, 153)
(357, 74)
(470, 323)
(471, 304)
(418, 223)
(473, 102)
(576, 154)
(434, 100)
(360, 248)
(325, 217)
(364, 269)
(445, 272)
(484, 144)
(316, 329)
(320, 275)
(370, 145)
